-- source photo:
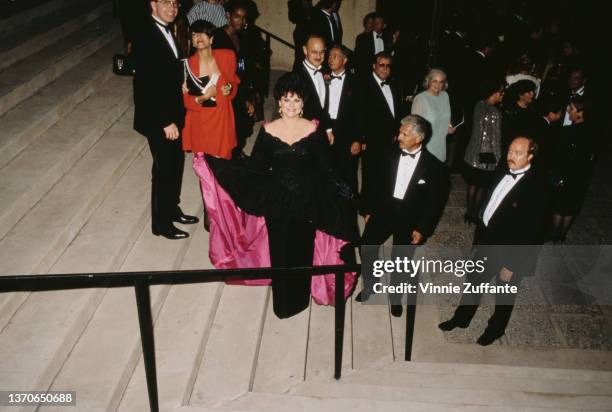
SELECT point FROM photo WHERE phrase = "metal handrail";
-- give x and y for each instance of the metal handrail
(275, 37)
(142, 280)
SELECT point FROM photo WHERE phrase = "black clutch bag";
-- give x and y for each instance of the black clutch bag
(123, 65)
(196, 87)
(487, 158)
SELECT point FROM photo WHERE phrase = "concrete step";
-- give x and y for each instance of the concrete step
(29, 120)
(37, 35)
(372, 334)
(182, 331)
(278, 370)
(25, 179)
(228, 365)
(25, 77)
(437, 380)
(42, 333)
(321, 338)
(453, 396)
(40, 238)
(31, 10)
(267, 402)
(102, 361)
(502, 371)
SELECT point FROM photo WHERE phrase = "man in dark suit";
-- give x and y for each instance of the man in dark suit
(515, 213)
(159, 115)
(369, 44)
(344, 112)
(325, 21)
(413, 194)
(310, 71)
(382, 108)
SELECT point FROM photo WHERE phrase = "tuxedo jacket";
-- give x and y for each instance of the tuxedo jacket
(520, 219)
(158, 97)
(347, 127)
(425, 196)
(312, 105)
(380, 125)
(319, 24)
(364, 50)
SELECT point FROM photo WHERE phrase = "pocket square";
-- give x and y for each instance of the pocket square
(421, 182)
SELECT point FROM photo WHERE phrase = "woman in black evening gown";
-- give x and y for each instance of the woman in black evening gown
(290, 180)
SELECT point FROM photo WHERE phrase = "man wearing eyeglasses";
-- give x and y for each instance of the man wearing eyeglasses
(159, 115)
(382, 109)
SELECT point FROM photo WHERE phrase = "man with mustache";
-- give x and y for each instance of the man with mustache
(511, 224)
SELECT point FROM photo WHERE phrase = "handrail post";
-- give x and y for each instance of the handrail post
(339, 323)
(145, 321)
(410, 318)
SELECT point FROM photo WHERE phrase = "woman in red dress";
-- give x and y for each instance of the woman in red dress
(210, 85)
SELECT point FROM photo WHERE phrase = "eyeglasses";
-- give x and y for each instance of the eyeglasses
(169, 4)
(383, 64)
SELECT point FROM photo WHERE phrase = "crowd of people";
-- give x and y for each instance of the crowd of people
(516, 107)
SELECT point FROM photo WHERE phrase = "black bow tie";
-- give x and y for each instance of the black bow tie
(332, 77)
(379, 36)
(412, 155)
(163, 26)
(514, 175)
(314, 70)
(385, 83)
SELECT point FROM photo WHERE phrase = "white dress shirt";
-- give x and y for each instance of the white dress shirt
(160, 25)
(405, 170)
(335, 92)
(566, 119)
(379, 44)
(386, 90)
(501, 191)
(317, 79)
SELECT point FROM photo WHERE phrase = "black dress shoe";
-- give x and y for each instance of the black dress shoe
(488, 338)
(451, 324)
(361, 297)
(171, 233)
(186, 219)
(396, 310)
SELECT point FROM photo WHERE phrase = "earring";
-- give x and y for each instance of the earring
(280, 112)
(301, 113)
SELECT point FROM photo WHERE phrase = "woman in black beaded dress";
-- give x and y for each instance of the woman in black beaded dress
(290, 181)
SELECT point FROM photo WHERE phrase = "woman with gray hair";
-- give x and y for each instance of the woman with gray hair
(434, 105)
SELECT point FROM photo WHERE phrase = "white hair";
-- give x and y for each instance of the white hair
(431, 74)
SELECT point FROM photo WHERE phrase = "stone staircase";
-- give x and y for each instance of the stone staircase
(74, 197)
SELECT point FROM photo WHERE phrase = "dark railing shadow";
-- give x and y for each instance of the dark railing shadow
(141, 281)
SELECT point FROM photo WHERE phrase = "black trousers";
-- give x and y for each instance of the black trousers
(378, 229)
(291, 244)
(346, 164)
(166, 179)
(504, 302)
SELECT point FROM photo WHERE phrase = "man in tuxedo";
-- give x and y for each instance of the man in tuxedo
(547, 130)
(344, 114)
(159, 115)
(310, 71)
(325, 21)
(381, 109)
(414, 190)
(369, 44)
(576, 82)
(515, 213)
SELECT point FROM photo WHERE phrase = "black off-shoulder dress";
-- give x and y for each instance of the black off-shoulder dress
(296, 188)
